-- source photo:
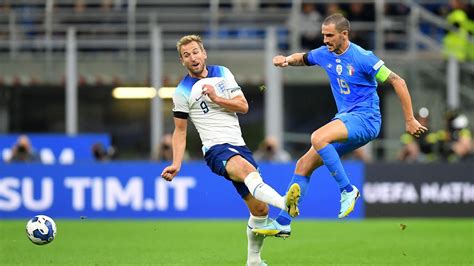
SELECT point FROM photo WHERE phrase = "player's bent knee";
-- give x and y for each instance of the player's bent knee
(259, 209)
(316, 139)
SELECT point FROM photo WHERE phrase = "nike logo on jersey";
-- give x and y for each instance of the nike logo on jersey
(199, 98)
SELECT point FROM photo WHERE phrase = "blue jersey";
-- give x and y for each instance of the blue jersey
(351, 75)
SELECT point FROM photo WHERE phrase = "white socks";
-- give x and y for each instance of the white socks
(255, 242)
(264, 192)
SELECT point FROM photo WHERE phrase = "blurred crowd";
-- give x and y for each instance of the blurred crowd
(452, 143)
(457, 41)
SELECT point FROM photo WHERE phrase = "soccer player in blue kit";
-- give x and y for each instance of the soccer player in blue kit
(353, 73)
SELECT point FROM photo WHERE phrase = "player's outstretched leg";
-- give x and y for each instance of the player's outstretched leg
(348, 200)
(276, 229)
(281, 226)
(267, 194)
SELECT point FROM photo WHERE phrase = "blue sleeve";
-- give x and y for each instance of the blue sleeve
(314, 57)
(370, 63)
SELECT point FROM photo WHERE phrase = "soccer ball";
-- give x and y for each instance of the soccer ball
(41, 229)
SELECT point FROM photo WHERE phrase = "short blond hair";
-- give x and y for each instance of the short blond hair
(189, 39)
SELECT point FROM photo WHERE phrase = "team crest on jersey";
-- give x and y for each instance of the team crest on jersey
(220, 86)
(339, 69)
(350, 69)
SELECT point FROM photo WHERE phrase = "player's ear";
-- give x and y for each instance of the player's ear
(345, 33)
(205, 54)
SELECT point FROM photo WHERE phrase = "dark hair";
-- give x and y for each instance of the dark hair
(99, 151)
(339, 20)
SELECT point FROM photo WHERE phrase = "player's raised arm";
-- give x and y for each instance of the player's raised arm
(179, 146)
(412, 126)
(295, 59)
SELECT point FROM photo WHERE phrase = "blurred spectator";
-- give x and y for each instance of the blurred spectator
(101, 153)
(457, 138)
(5, 8)
(361, 12)
(333, 8)
(23, 151)
(269, 150)
(456, 42)
(310, 24)
(107, 6)
(422, 149)
(80, 6)
(164, 151)
(27, 18)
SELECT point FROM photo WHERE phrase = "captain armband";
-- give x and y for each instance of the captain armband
(383, 74)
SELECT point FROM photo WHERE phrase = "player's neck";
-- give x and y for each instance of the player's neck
(201, 75)
(343, 48)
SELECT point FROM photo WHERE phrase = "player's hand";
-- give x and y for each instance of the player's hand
(209, 91)
(170, 172)
(415, 128)
(280, 61)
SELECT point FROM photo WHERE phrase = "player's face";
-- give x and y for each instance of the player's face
(193, 58)
(334, 40)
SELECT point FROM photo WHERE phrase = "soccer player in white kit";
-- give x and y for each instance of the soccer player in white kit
(210, 97)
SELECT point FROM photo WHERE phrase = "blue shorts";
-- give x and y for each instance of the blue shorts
(362, 125)
(218, 155)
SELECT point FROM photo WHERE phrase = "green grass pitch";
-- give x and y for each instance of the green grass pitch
(223, 242)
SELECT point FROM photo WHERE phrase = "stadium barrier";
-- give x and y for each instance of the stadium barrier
(134, 190)
(419, 190)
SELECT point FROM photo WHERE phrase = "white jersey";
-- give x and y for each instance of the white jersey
(215, 124)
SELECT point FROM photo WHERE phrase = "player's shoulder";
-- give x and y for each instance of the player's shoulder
(185, 85)
(360, 51)
(317, 56)
(322, 50)
(218, 71)
(216, 68)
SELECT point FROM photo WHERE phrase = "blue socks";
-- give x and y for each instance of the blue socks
(333, 162)
(283, 217)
